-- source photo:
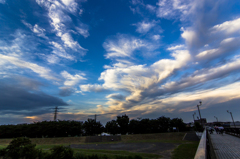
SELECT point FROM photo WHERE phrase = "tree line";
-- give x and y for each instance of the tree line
(64, 128)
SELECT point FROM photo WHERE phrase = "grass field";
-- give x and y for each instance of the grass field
(185, 150)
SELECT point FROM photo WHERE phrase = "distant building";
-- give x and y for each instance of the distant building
(237, 124)
(201, 121)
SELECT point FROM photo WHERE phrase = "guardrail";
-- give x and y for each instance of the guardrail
(202, 147)
(205, 148)
(232, 131)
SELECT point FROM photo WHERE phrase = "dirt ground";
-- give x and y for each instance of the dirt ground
(163, 149)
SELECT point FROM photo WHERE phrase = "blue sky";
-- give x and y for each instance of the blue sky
(141, 58)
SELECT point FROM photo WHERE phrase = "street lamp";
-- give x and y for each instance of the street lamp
(232, 118)
(200, 103)
(216, 118)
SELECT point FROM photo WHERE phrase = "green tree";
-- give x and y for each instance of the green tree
(21, 148)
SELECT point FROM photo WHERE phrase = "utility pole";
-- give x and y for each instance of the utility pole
(55, 113)
(232, 118)
(95, 117)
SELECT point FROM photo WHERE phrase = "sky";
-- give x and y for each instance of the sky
(141, 58)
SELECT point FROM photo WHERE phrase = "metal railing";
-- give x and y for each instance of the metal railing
(232, 131)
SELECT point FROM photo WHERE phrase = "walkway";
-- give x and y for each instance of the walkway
(226, 146)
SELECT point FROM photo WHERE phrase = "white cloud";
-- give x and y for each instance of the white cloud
(39, 31)
(124, 46)
(137, 79)
(72, 80)
(52, 59)
(92, 88)
(189, 35)
(58, 18)
(60, 51)
(83, 32)
(151, 8)
(36, 29)
(202, 76)
(59, 21)
(176, 47)
(71, 5)
(156, 37)
(42, 71)
(174, 8)
(2, 1)
(144, 27)
(69, 42)
(228, 27)
(226, 47)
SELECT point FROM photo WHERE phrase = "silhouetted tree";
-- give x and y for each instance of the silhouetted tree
(123, 123)
(112, 127)
(164, 123)
(134, 126)
(92, 127)
(145, 126)
(178, 122)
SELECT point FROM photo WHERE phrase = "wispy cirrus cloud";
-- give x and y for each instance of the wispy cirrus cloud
(174, 8)
(124, 46)
(59, 20)
(144, 27)
(36, 29)
(41, 71)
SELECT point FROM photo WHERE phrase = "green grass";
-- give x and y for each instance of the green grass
(185, 151)
(112, 153)
(3, 146)
(109, 153)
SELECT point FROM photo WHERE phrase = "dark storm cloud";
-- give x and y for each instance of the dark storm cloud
(65, 92)
(17, 97)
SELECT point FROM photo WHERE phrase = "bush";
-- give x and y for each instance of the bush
(94, 156)
(3, 152)
(80, 156)
(21, 148)
(128, 157)
(61, 152)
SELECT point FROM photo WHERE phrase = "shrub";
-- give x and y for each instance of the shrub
(94, 156)
(80, 156)
(61, 152)
(137, 157)
(3, 152)
(128, 157)
(21, 148)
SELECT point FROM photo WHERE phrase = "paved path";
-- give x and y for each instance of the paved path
(226, 146)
